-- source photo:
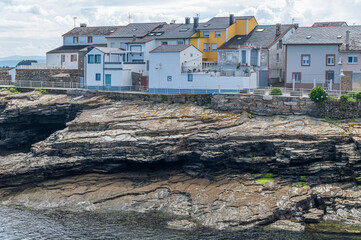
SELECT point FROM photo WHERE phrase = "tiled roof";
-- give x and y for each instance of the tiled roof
(91, 31)
(169, 48)
(329, 24)
(134, 29)
(68, 49)
(219, 22)
(355, 44)
(261, 37)
(321, 35)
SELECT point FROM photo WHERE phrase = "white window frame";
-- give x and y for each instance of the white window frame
(354, 57)
(205, 47)
(214, 47)
(304, 61)
(330, 56)
(206, 34)
(218, 34)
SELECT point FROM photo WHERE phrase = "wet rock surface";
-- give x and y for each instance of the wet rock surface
(179, 159)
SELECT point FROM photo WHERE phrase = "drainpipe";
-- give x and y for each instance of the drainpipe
(103, 72)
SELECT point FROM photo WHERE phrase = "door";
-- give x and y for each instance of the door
(108, 81)
(62, 60)
(330, 77)
(263, 79)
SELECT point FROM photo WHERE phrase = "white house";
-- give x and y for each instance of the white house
(109, 69)
(313, 56)
(177, 69)
(75, 43)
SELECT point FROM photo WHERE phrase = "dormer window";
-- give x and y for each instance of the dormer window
(75, 39)
(90, 39)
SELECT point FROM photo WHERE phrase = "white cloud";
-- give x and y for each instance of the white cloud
(34, 29)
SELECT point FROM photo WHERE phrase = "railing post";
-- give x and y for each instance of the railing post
(219, 88)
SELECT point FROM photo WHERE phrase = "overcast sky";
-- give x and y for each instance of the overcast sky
(35, 27)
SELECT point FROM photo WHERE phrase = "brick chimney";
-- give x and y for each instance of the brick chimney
(278, 29)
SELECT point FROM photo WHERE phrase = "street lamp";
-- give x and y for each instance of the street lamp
(341, 74)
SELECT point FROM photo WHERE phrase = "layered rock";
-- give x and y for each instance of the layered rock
(181, 159)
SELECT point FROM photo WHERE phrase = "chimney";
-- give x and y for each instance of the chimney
(296, 25)
(278, 29)
(195, 22)
(188, 20)
(172, 22)
(82, 24)
(231, 19)
(347, 40)
(134, 37)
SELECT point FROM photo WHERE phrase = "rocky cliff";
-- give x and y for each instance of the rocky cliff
(220, 169)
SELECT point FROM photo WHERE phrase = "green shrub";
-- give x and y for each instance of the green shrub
(344, 98)
(42, 91)
(276, 91)
(358, 96)
(318, 94)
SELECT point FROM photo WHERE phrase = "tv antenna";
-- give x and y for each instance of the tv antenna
(75, 21)
(129, 17)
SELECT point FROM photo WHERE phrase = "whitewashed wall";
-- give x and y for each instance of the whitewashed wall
(54, 60)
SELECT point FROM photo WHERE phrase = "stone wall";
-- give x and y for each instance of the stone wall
(46, 75)
(4, 76)
(346, 83)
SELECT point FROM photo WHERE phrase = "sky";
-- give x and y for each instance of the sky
(31, 28)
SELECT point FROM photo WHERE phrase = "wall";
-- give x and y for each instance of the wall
(54, 60)
(45, 75)
(350, 67)
(317, 69)
(83, 40)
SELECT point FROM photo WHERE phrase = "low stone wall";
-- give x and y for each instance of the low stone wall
(4, 76)
(263, 105)
(46, 75)
(337, 110)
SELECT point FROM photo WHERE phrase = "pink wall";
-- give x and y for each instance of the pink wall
(351, 67)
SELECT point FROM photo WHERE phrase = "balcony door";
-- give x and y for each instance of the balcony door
(108, 81)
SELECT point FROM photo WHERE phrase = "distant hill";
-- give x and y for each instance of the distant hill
(12, 61)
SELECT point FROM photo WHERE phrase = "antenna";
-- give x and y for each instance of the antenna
(129, 17)
(198, 15)
(75, 21)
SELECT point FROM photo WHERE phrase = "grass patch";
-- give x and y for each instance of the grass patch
(42, 91)
(268, 177)
(300, 184)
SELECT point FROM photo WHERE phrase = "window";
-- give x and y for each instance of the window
(98, 77)
(280, 44)
(112, 44)
(73, 58)
(190, 77)
(180, 42)
(164, 43)
(98, 59)
(205, 34)
(191, 55)
(205, 47)
(90, 39)
(296, 76)
(278, 57)
(214, 47)
(217, 34)
(75, 40)
(90, 58)
(169, 78)
(209, 47)
(137, 48)
(305, 60)
(330, 60)
(352, 59)
(330, 76)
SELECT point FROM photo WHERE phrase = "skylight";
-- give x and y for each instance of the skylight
(134, 29)
(309, 37)
(151, 34)
(206, 25)
(339, 37)
(158, 33)
(183, 29)
(260, 30)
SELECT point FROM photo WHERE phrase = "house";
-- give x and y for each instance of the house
(313, 57)
(177, 69)
(217, 31)
(350, 52)
(261, 49)
(108, 69)
(75, 43)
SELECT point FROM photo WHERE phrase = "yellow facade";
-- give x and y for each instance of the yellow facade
(240, 27)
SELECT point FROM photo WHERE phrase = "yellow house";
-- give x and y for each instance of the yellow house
(218, 30)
